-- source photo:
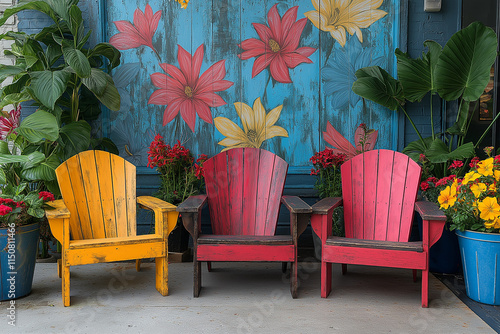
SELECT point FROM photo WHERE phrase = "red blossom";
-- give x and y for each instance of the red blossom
(327, 159)
(140, 33)
(4, 209)
(424, 186)
(46, 195)
(456, 164)
(473, 163)
(184, 90)
(277, 47)
(9, 123)
(432, 179)
(421, 157)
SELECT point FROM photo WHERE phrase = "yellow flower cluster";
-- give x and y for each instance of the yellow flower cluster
(184, 3)
(478, 189)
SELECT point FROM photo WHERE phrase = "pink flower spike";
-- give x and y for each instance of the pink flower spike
(10, 123)
(140, 33)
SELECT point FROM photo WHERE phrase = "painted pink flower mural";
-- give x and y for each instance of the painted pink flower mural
(140, 33)
(181, 89)
(278, 45)
(184, 90)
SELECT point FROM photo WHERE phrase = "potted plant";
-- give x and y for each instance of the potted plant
(28, 161)
(459, 74)
(471, 204)
(180, 177)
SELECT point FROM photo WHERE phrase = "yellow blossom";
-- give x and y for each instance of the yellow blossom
(496, 174)
(257, 126)
(447, 197)
(339, 16)
(489, 208)
(485, 167)
(478, 188)
(470, 176)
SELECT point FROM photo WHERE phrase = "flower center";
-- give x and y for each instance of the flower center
(188, 91)
(252, 135)
(275, 47)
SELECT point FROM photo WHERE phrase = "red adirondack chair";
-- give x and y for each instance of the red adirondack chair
(244, 187)
(379, 192)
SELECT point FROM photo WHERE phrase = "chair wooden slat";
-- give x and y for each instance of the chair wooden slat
(266, 167)
(119, 193)
(370, 194)
(235, 168)
(251, 167)
(276, 189)
(92, 193)
(400, 170)
(411, 189)
(210, 186)
(384, 181)
(66, 187)
(347, 195)
(222, 188)
(130, 197)
(103, 168)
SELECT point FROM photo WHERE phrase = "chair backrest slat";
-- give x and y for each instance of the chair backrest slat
(379, 190)
(244, 188)
(98, 188)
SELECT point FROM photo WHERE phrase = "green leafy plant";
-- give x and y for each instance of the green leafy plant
(180, 176)
(460, 71)
(57, 70)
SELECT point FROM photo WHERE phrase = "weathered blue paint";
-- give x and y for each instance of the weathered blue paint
(220, 26)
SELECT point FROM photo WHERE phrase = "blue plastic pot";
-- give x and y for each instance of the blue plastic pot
(481, 264)
(16, 277)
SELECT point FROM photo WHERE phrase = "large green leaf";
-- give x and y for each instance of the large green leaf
(17, 86)
(39, 126)
(103, 87)
(44, 171)
(376, 85)
(8, 71)
(76, 23)
(438, 152)
(34, 159)
(463, 68)
(77, 60)
(4, 147)
(9, 158)
(53, 53)
(460, 126)
(41, 6)
(48, 86)
(107, 50)
(76, 138)
(15, 98)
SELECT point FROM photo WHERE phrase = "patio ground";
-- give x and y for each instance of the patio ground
(237, 298)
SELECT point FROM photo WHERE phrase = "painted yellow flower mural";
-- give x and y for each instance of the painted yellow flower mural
(339, 16)
(257, 126)
(184, 3)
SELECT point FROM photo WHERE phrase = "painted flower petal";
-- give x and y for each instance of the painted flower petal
(279, 70)
(342, 145)
(263, 31)
(177, 74)
(293, 59)
(196, 65)
(212, 99)
(291, 41)
(171, 111)
(188, 113)
(185, 61)
(261, 63)
(274, 21)
(214, 73)
(159, 80)
(273, 115)
(158, 97)
(289, 19)
(203, 110)
(275, 131)
(259, 114)
(125, 41)
(229, 129)
(245, 112)
(230, 142)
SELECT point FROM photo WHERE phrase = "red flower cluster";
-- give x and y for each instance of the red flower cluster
(456, 164)
(198, 166)
(8, 204)
(326, 159)
(161, 155)
(473, 163)
(47, 196)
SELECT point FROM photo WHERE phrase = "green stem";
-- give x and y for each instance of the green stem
(414, 126)
(486, 131)
(432, 121)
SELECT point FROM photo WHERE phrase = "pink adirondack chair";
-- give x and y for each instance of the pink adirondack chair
(379, 197)
(244, 190)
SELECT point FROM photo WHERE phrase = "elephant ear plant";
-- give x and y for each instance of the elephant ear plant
(59, 71)
(458, 72)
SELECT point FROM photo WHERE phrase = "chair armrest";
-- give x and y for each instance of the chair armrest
(190, 211)
(57, 209)
(429, 211)
(433, 221)
(294, 204)
(58, 216)
(192, 204)
(164, 211)
(325, 205)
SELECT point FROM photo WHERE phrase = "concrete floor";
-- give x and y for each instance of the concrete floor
(237, 298)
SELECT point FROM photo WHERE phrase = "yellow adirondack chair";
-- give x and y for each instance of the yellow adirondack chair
(96, 219)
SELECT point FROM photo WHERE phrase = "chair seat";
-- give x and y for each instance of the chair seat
(245, 239)
(139, 239)
(415, 246)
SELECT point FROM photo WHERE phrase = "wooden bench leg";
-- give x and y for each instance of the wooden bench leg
(344, 268)
(138, 265)
(197, 278)
(414, 275)
(162, 275)
(209, 266)
(326, 279)
(59, 268)
(65, 285)
(425, 288)
(283, 267)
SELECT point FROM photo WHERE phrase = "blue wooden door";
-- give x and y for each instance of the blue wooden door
(264, 73)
